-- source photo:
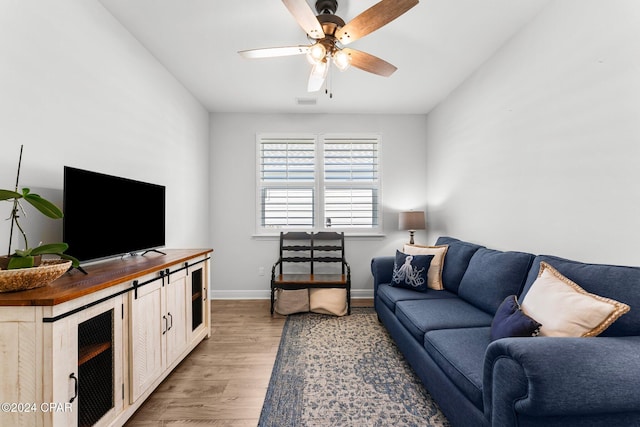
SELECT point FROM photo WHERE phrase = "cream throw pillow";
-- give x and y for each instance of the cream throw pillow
(328, 301)
(565, 309)
(434, 274)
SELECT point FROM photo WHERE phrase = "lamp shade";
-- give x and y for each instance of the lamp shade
(412, 220)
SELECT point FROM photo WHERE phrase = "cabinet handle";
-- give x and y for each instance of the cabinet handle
(170, 324)
(165, 325)
(75, 387)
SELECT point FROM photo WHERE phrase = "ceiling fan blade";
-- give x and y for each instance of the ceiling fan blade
(370, 63)
(317, 76)
(272, 52)
(373, 18)
(305, 17)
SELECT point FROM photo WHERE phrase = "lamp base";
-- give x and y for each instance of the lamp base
(411, 236)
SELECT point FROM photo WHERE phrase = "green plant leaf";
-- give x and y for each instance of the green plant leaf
(46, 207)
(8, 194)
(50, 248)
(22, 253)
(74, 261)
(20, 262)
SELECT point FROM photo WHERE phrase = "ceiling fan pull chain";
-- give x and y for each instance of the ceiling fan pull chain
(329, 82)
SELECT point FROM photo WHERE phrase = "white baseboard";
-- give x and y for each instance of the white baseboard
(266, 294)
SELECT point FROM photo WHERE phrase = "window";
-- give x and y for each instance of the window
(318, 182)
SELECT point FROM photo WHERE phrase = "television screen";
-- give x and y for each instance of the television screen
(106, 215)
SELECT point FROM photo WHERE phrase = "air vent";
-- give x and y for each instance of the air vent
(306, 101)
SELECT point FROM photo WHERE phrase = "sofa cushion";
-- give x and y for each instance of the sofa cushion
(456, 261)
(611, 281)
(492, 276)
(410, 271)
(510, 321)
(390, 295)
(460, 354)
(567, 310)
(421, 316)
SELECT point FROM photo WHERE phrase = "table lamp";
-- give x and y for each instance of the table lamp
(412, 221)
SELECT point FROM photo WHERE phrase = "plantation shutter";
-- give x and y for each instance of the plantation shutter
(318, 182)
(350, 182)
(287, 178)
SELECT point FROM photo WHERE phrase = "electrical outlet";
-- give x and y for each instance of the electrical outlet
(260, 271)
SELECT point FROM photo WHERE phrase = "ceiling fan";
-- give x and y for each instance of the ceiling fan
(328, 35)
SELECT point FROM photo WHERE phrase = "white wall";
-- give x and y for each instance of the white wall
(537, 151)
(77, 89)
(540, 149)
(238, 255)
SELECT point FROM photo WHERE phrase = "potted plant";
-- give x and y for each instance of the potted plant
(31, 257)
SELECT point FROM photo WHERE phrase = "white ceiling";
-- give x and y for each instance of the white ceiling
(436, 46)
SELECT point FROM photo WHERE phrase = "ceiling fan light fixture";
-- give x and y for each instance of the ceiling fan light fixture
(320, 69)
(318, 75)
(328, 34)
(317, 53)
(342, 60)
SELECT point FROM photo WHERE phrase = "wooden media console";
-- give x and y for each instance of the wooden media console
(89, 349)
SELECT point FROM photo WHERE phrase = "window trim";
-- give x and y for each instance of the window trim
(319, 183)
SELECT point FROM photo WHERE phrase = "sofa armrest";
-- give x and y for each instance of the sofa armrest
(382, 270)
(556, 377)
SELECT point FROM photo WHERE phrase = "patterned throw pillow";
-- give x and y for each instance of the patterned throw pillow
(434, 278)
(410, 271)
(510, 321)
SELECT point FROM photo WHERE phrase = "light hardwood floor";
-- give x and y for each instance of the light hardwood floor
(224, 380)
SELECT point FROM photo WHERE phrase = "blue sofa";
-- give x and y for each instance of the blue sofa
(535, 381)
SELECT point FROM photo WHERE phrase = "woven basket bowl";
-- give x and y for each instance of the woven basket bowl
(29, 278)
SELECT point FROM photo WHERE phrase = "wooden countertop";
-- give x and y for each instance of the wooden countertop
(75, 284)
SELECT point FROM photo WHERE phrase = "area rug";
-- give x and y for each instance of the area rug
(344, 371)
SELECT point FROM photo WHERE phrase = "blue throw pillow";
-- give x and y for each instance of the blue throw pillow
(510, 321)
(410, 271)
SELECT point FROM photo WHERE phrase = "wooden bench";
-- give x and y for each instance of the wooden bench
(306, 250)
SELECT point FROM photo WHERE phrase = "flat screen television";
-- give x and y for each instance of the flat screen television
(107, 216)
